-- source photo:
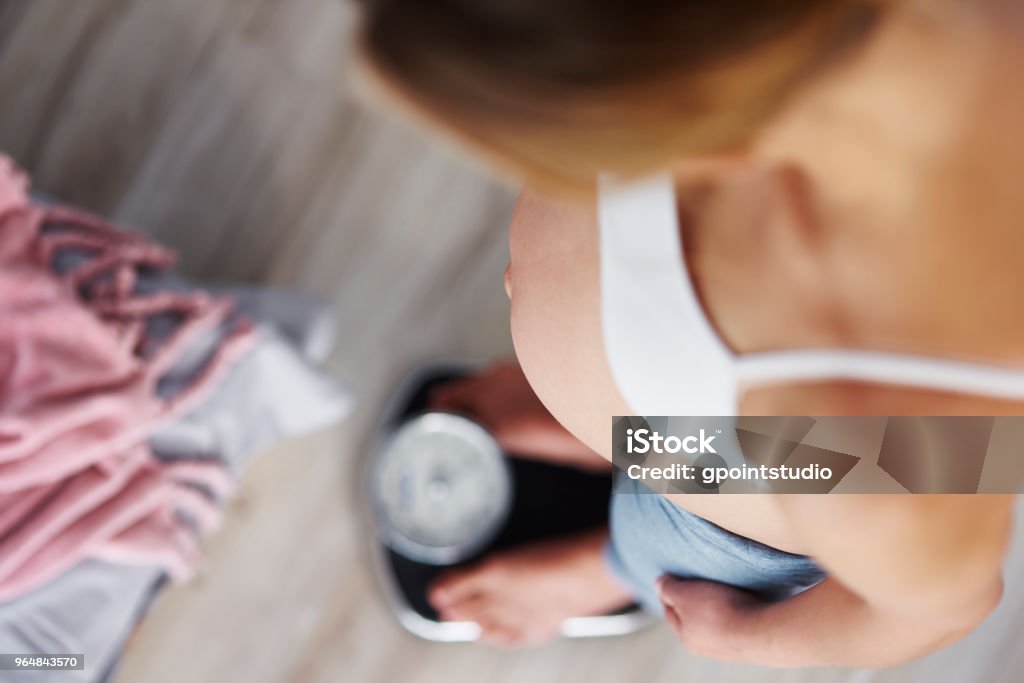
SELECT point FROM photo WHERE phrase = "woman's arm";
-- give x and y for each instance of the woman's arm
(908, 575)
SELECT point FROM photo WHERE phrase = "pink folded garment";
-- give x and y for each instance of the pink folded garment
(78, 398)
(72, 391)
(129, 508)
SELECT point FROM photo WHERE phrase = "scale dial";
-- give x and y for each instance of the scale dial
(441, 489)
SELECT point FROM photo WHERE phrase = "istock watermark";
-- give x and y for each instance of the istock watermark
(804, 454)
(646, 441)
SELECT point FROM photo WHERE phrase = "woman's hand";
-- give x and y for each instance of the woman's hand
(827, 625)
(707, 616)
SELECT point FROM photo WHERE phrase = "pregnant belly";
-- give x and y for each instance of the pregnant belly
(556, 327)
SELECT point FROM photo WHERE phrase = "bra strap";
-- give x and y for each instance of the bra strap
(783, 367)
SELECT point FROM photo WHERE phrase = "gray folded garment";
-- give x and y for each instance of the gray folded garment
(275, 392)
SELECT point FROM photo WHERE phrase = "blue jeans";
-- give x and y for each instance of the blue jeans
(651, 536)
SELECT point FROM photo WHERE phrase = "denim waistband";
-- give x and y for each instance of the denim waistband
(652, 536)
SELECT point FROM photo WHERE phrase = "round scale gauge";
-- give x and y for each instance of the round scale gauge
(441, 489)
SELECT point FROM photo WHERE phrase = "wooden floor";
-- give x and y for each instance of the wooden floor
(228, 129)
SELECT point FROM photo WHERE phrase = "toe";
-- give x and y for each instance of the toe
(496, 624)
(501, 624)
(500, 637)
(456, 586)
(494, 631)
(474, 608)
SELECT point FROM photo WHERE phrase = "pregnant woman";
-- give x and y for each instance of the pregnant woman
(802, 207)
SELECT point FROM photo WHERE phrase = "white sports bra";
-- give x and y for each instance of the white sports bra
(666, 357)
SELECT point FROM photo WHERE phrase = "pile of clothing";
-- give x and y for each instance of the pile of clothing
(130, 400)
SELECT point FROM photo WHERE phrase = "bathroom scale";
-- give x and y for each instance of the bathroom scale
(440, 493)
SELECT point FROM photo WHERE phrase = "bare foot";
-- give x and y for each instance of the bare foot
(500, 399)
(522, 596)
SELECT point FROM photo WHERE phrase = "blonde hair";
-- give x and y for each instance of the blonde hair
(560, 91)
